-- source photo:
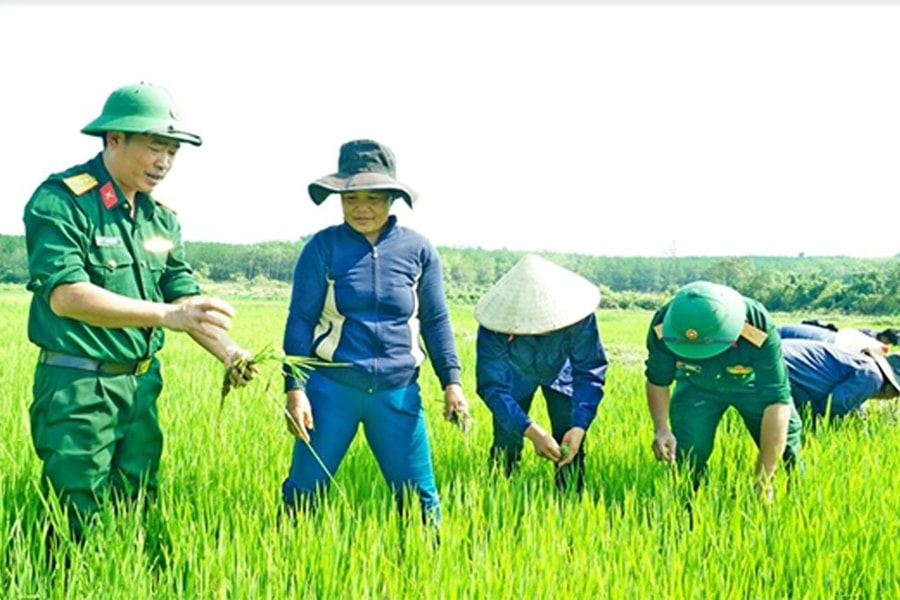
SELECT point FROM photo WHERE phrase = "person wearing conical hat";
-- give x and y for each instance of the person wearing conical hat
(363, 294)
(831, 380)
(108, 274)
(721, 350)
(537, 330)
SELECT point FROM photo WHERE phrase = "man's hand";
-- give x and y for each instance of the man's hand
(298, 414)
(664, 445)
(199, 315)
(765, 491)
(240, 368)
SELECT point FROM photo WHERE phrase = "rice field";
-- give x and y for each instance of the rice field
(835, 534)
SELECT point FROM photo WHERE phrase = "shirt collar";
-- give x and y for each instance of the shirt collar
(100, 172)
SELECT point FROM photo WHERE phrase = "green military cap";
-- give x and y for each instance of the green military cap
(141, 108)
(703, 320)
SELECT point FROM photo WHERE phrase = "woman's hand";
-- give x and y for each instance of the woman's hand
(572, 440)
(298, 414)
(544, 444)
(456, 409)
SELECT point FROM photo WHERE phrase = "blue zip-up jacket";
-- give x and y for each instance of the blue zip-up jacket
(570, 360)
(366, 305)
(818, 369)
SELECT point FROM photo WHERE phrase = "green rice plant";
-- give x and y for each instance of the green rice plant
(298, 367)
(832, 533)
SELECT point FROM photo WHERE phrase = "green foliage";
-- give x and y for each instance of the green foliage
(14, 266)
(793, 284)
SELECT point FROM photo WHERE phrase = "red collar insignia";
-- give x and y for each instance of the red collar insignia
(108, 195)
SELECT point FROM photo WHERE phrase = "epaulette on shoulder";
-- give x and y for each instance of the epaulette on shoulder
(81, 183)
(753, 335)
(165, 206)
(657, 329)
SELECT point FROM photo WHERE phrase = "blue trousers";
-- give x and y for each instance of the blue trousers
(394, 424)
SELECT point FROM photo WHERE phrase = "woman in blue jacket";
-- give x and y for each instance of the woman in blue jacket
(363, 293)
(537, 330)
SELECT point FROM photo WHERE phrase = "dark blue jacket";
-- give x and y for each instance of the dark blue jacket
(366, 305)
(818, 369)
(570, 360)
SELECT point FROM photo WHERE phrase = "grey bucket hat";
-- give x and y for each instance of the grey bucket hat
(362, 165)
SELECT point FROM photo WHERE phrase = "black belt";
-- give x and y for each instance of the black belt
(58, 359)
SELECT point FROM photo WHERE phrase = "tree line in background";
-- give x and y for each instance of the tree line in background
(808, 284)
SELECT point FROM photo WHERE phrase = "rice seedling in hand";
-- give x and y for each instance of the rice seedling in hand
(461, 418)
(298, 367)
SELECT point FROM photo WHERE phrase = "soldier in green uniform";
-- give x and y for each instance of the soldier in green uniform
(721, 349)
(108, 272)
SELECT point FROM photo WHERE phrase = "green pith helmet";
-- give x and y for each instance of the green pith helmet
(141, 108)
(703, 320)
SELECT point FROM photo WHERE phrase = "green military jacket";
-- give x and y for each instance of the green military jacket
(753, 364)
(78, 228)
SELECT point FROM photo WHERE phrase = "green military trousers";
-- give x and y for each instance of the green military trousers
(96, 434)
(694, 414)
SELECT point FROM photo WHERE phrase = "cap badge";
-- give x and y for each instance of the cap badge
(691, 334)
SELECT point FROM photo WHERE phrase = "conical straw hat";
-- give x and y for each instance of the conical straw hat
(536, 296)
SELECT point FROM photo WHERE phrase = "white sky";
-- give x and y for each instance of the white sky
(606, 128)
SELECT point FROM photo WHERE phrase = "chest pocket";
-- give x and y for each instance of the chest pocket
(155, 251)
(111, 267)
(156, 263)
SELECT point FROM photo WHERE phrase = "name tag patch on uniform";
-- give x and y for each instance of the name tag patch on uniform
(103, 241)
(158, 245)
(687, 367)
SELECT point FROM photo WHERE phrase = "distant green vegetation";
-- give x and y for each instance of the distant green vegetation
(804, 284)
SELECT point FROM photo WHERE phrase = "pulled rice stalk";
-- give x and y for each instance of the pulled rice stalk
(298, 367)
